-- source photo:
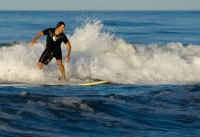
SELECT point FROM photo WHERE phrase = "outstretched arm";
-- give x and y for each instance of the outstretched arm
(69, 50)
(35, 38)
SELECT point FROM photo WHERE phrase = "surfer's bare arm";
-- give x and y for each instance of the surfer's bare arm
(68, 51)
(35, 38)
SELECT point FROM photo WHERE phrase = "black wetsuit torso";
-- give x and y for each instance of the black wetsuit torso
(54, 41)
(53, 46)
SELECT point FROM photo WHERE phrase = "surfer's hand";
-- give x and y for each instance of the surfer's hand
(31, 43)
(67, 58)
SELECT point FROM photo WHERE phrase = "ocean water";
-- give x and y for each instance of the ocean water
(151, 58)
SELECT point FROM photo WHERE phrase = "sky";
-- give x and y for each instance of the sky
(99, 4)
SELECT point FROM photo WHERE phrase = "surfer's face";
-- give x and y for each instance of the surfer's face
(61, 28)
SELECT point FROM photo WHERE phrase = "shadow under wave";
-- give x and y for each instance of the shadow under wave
(9, 44)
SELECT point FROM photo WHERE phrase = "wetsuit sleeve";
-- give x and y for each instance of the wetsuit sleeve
(65, 39)
(45, 32)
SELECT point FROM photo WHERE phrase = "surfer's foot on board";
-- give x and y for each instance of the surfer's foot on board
(62, 79)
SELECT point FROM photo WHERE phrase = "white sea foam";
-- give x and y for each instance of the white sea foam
(99, 55)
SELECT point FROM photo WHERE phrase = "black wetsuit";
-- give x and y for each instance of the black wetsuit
(53, 46)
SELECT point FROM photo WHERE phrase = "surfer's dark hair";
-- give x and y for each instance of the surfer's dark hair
(60, 23)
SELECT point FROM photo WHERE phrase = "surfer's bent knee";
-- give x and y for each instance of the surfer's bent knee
(39, 65)
(59, 62)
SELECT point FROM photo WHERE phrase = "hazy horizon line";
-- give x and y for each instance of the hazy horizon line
(98, 10)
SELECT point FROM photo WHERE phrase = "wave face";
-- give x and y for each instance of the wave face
(97, 54)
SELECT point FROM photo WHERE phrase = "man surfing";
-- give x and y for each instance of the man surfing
(55, 37)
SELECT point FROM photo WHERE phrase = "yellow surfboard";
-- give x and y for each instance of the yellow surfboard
(89, 83)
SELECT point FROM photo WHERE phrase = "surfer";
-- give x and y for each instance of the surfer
(55, 37)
